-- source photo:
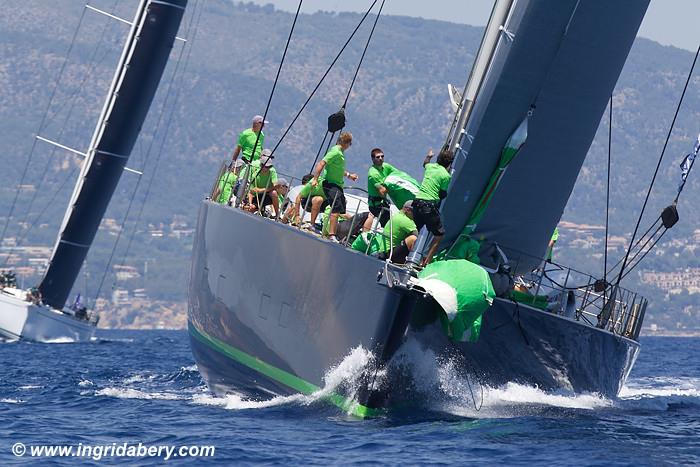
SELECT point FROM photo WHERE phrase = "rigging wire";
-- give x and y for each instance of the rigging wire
(42, 123)
(352, 83)
(94, 63)
(318, 85)
(277, 76)
(362, 57)
(658, 165)
(607, 194)
(193, 27)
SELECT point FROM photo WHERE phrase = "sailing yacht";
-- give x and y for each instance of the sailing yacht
(40, 314)
(527, 117)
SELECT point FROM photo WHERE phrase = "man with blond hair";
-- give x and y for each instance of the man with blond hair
(334, 165)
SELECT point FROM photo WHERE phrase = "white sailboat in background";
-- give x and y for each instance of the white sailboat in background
(40, 314)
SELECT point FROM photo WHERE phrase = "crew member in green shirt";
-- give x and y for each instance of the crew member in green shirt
(250, 141)
(263, 187)
(312, 199)
(334, 164)
(376, 191)
(426, 206)
(396, 240)
(403, 233)
(226, 186)
(384, 179)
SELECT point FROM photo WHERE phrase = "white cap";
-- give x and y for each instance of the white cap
(259, 119)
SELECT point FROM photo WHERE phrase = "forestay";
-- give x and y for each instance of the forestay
(563, 58)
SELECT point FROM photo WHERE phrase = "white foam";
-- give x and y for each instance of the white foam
(447, 389)
(11, 401)
(138, 378)
(660, 387)
(30, 386)
(346, 373)
(60, 340)
(658, 393)
(238, 402)
(130, 393)
(85, 383)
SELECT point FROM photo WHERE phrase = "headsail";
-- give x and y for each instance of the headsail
(563, 58)
(140, 69)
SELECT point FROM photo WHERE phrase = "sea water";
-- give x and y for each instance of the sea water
(127, 391)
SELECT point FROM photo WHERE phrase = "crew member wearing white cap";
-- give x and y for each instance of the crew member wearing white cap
(263, 187)
(250, 141)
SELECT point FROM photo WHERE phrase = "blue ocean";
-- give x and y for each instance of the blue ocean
(113, 399)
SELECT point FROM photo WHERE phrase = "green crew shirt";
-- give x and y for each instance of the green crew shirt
(225, 185)
(262, 179)
(436, 179)
(309, 190)
(335, 165)
(246, 140)
(376, 176)
(399, 227)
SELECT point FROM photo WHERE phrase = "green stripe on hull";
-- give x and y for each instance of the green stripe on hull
(281, 376)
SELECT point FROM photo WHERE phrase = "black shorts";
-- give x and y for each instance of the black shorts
(335, 197)
(398, 254)
(264, 198)
(425, 213)
(307, 207)
(381, 212)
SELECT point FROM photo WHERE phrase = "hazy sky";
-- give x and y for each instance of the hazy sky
(669, 22)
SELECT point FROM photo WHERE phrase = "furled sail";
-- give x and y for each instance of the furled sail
(133, 87)
(562, 60)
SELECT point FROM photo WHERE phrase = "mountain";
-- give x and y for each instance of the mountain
(399, 103)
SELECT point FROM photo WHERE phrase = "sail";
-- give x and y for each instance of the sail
(133, 87)
(561, 59)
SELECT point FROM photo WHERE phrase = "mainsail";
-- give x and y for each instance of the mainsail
(133, 87)
(559, 60)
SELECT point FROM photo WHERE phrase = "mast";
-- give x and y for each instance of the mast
(133, 87)
(497, 20)
(561, 58)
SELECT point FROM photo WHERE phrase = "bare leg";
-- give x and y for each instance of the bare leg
(275, 201)
(332, 223)
(431, 251)
(367, 226)
(410, 240)
(316, 203)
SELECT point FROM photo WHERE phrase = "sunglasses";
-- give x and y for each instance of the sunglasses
(378, 156)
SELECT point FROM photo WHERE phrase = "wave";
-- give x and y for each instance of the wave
(60, 340)
(131, 393)
(101, 340)
(343, 377)
(660, 393)
(239, 402)
(11, 401)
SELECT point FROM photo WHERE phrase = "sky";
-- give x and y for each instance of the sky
(669, 22)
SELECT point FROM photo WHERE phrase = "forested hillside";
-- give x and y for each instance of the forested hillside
(399, 103)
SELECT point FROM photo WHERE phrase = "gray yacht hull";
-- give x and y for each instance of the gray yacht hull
(272, 309)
